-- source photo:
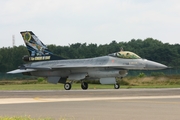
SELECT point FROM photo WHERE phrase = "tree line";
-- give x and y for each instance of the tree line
(151, 49)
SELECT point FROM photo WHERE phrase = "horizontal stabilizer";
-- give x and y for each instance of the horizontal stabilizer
(39, 68)
(20, 71)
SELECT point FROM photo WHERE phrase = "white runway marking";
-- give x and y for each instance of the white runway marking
(40, 100)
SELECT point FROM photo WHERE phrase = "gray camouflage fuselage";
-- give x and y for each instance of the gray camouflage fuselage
(98, 67)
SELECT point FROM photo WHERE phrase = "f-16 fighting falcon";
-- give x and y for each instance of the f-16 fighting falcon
(106, 69)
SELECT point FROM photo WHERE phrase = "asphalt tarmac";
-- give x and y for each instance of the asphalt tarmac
(111, 104)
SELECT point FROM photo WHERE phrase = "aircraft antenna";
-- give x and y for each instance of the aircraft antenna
(13, 41)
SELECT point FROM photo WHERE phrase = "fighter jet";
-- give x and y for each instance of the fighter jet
(106, 69)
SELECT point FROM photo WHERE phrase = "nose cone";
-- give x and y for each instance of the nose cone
(150, 65)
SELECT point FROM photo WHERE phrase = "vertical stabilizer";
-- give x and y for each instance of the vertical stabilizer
(37, 50)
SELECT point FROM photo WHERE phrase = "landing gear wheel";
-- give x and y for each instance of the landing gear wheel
(67, 86)
(84, 85)
(116, 86)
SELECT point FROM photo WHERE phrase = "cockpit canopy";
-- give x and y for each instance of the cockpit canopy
(125, 55)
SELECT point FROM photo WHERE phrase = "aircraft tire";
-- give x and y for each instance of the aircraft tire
(84, 85)
(116, 86)
(67, 86)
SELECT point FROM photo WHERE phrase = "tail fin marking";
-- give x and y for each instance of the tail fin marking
(37, 50)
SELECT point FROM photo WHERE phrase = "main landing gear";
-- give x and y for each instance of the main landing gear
(67, 86)
(84, 85)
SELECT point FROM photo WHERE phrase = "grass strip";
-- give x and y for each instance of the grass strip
(76, 86)
(23, 118)
(30, 118)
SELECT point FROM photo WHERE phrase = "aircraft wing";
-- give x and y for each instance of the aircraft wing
(91, 66)
(20, 71)
(79, 66)
(39, 68)
(30, 69)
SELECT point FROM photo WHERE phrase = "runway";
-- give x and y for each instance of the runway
(125, 104)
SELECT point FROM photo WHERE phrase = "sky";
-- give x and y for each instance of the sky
(64, 22)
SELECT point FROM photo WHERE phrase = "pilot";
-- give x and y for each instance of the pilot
(121, 49)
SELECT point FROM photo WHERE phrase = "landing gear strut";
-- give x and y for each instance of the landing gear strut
(67, 86)
(84, 85)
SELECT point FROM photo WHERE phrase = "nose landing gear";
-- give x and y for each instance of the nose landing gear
(116, 86)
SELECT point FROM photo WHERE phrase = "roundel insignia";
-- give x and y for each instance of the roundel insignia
(27, 36)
